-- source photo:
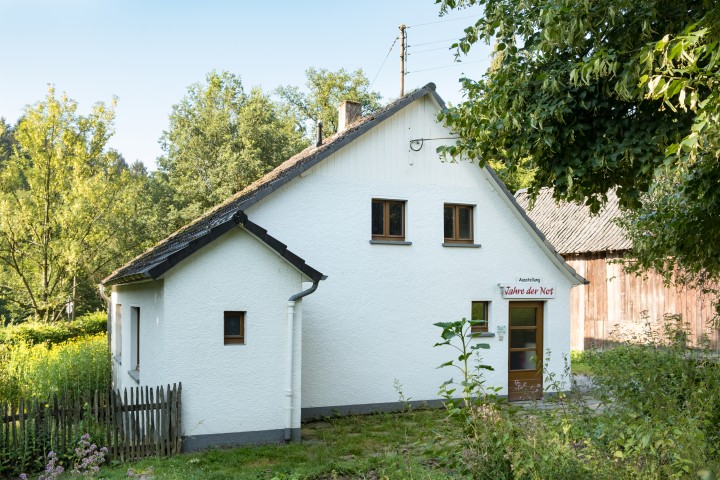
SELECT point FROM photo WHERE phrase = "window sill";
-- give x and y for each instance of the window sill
(389, 242)
(118, 359)
(483, 335)
(135, 375)
(462, 245)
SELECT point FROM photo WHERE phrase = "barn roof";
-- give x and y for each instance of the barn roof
(571, 228)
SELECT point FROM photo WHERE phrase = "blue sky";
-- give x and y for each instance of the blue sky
(148, 52)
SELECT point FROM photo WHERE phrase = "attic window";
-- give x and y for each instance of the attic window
(388, 220)
(458, 223)
(234, 327)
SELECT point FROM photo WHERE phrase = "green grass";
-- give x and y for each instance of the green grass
(579, 363)
(394, 446)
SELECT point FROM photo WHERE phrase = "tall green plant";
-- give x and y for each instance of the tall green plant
(68, 369)
(472, 406)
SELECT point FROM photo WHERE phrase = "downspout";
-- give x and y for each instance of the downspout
(289, 363)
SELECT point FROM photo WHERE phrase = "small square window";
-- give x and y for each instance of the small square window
(234, 328)
(388, 220)
(479, 317)
(458, 223)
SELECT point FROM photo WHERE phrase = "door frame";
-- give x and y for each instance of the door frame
(534, 376)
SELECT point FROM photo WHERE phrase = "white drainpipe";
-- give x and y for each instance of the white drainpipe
(289, 359)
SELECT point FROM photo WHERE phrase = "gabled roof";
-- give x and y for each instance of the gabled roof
(571, 228)
(220, 219)
(164, 259)
(164, 255)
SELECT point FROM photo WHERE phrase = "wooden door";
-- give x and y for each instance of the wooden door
(525, 350)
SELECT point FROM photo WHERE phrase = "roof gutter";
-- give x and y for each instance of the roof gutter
(290, 360)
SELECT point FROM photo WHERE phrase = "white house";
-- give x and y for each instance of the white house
(260, 340)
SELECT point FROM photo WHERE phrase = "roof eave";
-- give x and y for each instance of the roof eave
(543, 242)
(238, 219)
(312, 159)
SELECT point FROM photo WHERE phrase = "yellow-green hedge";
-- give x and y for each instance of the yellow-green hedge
(55, 332)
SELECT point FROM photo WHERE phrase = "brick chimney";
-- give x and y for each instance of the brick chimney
(348, 112)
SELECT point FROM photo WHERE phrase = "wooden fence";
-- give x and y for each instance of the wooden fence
(133, 424)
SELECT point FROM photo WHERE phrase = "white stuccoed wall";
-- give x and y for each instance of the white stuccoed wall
(149, 297)
(226, 388)
(371, 321)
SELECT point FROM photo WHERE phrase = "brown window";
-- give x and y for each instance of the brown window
(458, 222)
(135, 338)
(479, 317)
(388, 220)
(234, 328)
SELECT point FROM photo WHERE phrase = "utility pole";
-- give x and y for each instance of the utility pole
(403, 45)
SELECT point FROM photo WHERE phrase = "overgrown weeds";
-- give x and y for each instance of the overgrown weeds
(658, 417)
(67, 369)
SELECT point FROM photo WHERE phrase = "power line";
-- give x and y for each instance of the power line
(443, 21)
(432, 43)
(383, 63)
(458, 64)
(429, 50)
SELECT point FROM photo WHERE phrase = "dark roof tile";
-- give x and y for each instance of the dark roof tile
(150, 263)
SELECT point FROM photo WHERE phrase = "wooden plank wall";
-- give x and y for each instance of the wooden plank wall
(132, 424)
(619, 303)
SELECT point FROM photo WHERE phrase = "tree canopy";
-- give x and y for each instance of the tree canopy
(605, 94)
(324, 92)
(63, 199)
(221, 139)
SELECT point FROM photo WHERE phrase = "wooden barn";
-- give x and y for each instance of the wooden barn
(614, 301)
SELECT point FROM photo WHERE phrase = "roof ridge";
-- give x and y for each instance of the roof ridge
(280, 175)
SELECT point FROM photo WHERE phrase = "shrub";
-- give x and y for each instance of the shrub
(660, 418)
(54, 333)
(664, 396)
(70, 368)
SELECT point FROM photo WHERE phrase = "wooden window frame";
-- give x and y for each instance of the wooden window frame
(386, 220)
(135, 320)
(456, 223)
(478, 329)
(234, 339)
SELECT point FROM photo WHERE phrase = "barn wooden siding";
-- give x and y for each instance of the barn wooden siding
(618, 302)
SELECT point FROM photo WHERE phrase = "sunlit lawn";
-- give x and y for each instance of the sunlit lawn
(368, 446)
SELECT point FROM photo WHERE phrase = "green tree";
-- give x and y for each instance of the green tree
(605, 94)
(324, 92)
(63, 200)
(220, 140)
(7, 140)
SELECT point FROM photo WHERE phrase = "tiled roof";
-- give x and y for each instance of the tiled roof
(227, 215)
(571, 228)
(167, 253)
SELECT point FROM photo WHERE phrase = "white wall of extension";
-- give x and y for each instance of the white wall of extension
(226, 388)
(371, 322)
